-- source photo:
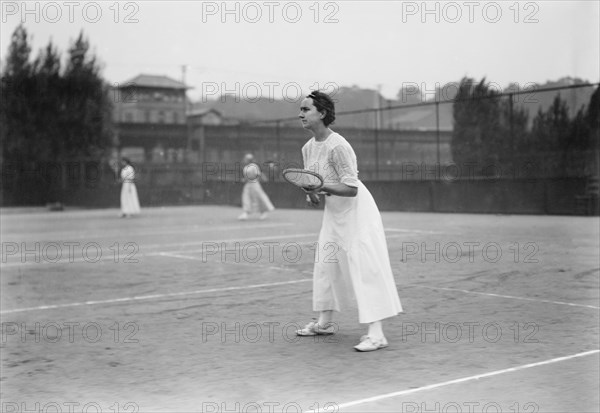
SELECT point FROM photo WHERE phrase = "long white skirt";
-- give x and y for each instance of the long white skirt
(353, 260)
(254, 198)
(130, 205)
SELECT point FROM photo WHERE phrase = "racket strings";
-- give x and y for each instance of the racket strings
(304, 180)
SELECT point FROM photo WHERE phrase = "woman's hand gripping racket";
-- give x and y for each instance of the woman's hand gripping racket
(310, 182)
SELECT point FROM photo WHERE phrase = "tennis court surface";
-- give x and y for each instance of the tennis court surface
(188, 309)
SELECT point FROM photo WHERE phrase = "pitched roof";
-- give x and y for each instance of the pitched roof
(155, 81)
(203, 111)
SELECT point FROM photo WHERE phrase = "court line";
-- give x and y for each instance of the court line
(154, 296)
(456, 381)
(136, 298)
(175, 254)
(539, 300)
(236, 240)
(412, 231)
(418, 286)
(254, 265)
(110, 257)
(195, 229)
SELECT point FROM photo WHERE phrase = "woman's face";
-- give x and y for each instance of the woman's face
(309, 115)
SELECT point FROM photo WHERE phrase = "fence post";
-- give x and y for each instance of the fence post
(437, 131)
(512, 136)
(278, 140)
(376, 152)
(202, 144)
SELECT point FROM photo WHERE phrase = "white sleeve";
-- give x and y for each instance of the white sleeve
(304, 156)
(344, 161)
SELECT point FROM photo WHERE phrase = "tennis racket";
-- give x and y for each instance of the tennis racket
(305, 179)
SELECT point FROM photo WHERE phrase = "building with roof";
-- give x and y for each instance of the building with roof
(150, 118)
(156, 123)
(205, 116)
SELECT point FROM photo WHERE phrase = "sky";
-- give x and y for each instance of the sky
(285, 48)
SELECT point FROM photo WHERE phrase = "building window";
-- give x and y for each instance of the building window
(161, 116)
(147, 116)
(128, 117)
(175, 117)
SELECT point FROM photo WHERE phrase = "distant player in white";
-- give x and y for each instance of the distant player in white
(130, 205)
(352, 258)
(254, 198)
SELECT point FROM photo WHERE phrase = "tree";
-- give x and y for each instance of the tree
(489, 130)
(550, 135)
(16, 109)
(17, 62)
(570, 142)
(551, 128)
(46, 104)
(593, 119)
(86, 105)
(52, 115)
(477, 134)
(514, 121)
(49, 115)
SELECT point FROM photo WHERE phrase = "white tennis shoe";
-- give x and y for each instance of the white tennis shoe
(314, 329)
(370, 344)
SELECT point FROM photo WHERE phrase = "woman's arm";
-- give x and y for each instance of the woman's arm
(340, 190)
(313, 197)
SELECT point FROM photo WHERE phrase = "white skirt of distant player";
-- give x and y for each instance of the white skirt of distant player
(130, 205)
(254, 198)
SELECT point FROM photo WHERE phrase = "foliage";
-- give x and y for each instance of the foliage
(489, 130)
(50, 113)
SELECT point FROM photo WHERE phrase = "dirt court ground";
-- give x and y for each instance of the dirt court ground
(187, 309)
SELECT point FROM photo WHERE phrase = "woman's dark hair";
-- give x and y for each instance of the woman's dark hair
(323, 103)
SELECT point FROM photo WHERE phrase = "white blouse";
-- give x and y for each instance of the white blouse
(333, 159)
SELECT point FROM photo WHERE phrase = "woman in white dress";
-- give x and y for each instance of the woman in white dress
(130, 205)
(353, 258)
(254, 198)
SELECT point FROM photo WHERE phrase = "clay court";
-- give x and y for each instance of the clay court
(187, 309)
